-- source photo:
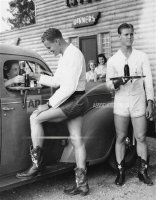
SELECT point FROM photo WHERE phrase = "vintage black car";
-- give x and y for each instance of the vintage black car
(18, 102)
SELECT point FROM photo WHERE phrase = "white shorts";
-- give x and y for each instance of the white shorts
(130, 105)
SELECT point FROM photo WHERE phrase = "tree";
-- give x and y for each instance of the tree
(23, 13)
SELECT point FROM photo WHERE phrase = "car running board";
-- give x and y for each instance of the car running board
(12, 181)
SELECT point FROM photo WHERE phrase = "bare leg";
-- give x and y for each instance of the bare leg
(37, 132)
(139, 127)
(75, 126)
(81, 186)
(36, 120)
(121, 126)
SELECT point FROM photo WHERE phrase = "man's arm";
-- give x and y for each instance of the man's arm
(109, 74)
(148, 82)
(51, 81)
(68, 81)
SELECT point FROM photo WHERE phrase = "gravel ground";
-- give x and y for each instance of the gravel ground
(101, 182)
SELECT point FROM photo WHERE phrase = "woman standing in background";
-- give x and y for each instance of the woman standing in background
(101, 68)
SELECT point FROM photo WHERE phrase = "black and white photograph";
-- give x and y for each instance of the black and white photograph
(77, 99)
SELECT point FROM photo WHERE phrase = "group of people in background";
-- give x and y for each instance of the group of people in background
(97, 72)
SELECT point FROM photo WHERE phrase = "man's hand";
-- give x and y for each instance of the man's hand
(120, 81)
(149, 109)
(34, 76)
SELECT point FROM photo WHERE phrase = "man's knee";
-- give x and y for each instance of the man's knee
(76, 141)
(141, 138)
(120, 139)
(34, 118)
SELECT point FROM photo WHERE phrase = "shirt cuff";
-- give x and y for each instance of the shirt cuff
(48, 104)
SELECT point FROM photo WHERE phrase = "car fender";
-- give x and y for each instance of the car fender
(98, 133)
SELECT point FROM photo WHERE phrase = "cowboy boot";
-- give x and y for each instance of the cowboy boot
(120, 179)
(81, 187)
(37, 163)
(142, 171)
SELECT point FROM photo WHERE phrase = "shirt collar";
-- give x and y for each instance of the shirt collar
(123, 56)
(67, 49)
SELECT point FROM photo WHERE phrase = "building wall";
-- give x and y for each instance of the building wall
(55, 13)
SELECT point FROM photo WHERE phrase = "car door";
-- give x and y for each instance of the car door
(15, 135)
(16, 106)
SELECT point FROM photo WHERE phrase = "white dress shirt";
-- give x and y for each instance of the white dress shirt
(70, 76)
(138, 65)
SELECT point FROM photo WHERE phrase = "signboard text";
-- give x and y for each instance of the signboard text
(71, 3)
(86, 20)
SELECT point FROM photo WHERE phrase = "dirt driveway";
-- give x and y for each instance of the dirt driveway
(101, 181)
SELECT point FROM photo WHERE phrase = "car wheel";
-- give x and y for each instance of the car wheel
(130, 154)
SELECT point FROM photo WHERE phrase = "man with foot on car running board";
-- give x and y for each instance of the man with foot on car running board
(65, 104)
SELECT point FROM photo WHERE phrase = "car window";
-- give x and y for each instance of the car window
(16, 73)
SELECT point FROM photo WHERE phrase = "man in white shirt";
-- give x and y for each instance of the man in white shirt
(133, 100)
(66, 103)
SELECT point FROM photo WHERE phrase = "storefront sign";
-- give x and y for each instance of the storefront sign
(86, 20)
(71, 3)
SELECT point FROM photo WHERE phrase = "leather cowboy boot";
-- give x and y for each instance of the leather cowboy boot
(120, 179)
(142, 171)
(37, 163)
(81, 187)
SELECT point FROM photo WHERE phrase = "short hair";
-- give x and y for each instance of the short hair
(103, 56)
(7, 67)
(125, 26)
(51, 34)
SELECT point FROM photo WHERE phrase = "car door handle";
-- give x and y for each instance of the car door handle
(7, 109)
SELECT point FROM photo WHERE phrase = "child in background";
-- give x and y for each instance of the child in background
(91, 76)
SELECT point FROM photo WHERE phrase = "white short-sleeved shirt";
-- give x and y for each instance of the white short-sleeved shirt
(70, 76)
(138, 65)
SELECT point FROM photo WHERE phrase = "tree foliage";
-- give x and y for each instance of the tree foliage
(23, 13)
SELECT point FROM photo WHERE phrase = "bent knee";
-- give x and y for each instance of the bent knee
(33, 118)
